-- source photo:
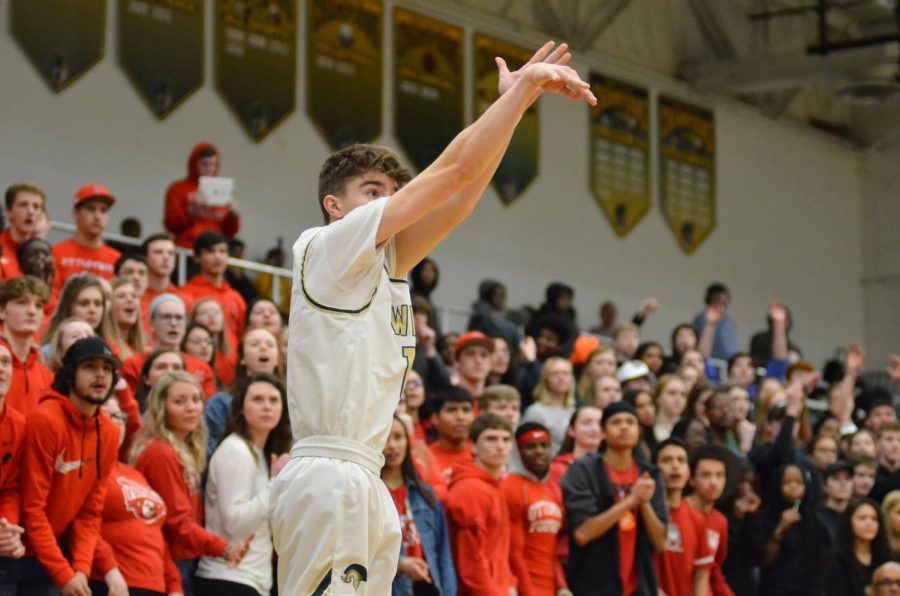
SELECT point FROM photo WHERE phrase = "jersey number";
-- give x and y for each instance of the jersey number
(409, 354)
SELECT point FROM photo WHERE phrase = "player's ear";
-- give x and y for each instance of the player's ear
(333, 207)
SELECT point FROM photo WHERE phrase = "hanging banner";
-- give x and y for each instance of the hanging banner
(62, 39)
(256, 57)
(687, 165)
(520, 163)
(161, 49)
(343, 69)
(428, 85)
(620, 151)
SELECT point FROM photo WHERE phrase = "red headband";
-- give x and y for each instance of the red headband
(532, 436)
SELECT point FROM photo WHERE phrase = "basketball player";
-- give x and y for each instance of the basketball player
(352, 338)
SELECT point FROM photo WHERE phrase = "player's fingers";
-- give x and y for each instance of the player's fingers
(541, 53)
(501, 65)
(557, 54)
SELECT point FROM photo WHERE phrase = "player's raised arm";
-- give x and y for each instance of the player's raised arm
(473, 156)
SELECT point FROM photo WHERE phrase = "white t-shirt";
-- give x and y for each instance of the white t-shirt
(352, 335)
(237, 505)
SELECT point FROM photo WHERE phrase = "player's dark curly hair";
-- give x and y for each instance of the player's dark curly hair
(350, 162)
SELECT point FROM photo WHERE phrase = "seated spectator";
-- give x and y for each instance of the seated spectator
(157, 363)
(125, 312)
(84, 297)
(167, 322)
(451, 416)
(683, 565)
(860, 548)
(209, 313)
(187, 212)
(886, 579)
(253, 451)
(85, 252)
(474, 352)
(132, 553)
(554, 400)
(535, 516)
(263, 313)
(477, 512)
(425, 560)
(35, 258)
(489, 313)
(67, 432)
(12, 429)
(257, 355)
(616, 511)
(22, 302)
(211, 252)
(796, 540)
(838, 478)
(171, 453)
(864, 470)
(890, 513)
(671, 400)
(159, 253)
(720, 340)
(24, 204)
(626, 338)
(198, 342)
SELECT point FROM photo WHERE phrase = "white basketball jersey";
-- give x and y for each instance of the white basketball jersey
(352, 336)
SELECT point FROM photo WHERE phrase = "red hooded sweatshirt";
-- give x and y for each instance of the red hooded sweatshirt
(479, 532)
(30, 381)
(12, 435)
(185, 226)
(132, 537)
(188, 539)
(67, 457)
(232, 303)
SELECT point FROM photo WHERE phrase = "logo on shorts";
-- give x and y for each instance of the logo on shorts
(354, 574)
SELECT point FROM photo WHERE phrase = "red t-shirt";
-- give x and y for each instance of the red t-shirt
(717, 537)
(412, 542)
(71, 259)
(686, 549)
(622, 483)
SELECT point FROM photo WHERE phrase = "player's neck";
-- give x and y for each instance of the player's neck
(698, 503)
(618, 459)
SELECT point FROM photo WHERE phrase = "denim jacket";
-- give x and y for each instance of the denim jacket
(435, 538)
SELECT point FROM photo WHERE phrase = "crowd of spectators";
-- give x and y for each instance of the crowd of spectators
(143, 422)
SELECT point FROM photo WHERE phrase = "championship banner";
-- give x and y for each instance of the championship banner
(620, 151)
(256, 57)
(161, 49)
(687, 165)
(343, 69)
(428, 85)
(62, 39)
(520, 163)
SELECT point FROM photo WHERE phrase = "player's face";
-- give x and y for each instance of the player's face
(536, 457)
(708, 480)
(359, 191)
(492, 448)
(672, 462)
(395, 448)
(262, 407)
(454, 420)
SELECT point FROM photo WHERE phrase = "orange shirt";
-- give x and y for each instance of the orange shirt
(228, 298)
(535, 518)
(9, 264)
(686, 549)
(440, 467)
(622, 483)
(31, 380)
(12, 435)
(71, 258)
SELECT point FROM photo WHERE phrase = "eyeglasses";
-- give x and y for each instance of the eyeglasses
(414, 383)
(200, 341)
(171, 318)
(887, 583)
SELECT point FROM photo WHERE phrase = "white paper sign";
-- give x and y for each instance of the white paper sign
(218, 190)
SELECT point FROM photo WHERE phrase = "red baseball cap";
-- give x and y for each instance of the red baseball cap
(93, 191)
(584, 347)
(473, 338)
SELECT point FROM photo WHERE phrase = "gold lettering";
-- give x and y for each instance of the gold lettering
(400, 319)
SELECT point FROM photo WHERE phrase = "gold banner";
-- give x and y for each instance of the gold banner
(161, 49)
(687, 166)
(428, 85)
(62, 39)
(519, 165)
(343, 69)
(256, 60)
(620, 151)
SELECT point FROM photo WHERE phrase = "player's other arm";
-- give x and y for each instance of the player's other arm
(468, 163)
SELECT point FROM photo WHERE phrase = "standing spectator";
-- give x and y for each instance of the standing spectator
(746, 543)
(187, 212)
(709, 468)
(535, 516)
(24, 205)
(838, 492)
(720, 341)
(604, 391)
(171, 453)
(158, 362)
(721, 414)
(761, 343)
(608, 315)
(70, 449)
(860, 548)
(554, 399)
(473, 361)
(477, 512)
(651, 354)
(616, 511)
(582, 437)
(269, 285)
(68, 332)
(683, 566)
(451, 416)
(85, 251)
(159, 252)
(211, 252)
(428, 361)
(425, 561)
(12, 429)
(558, 300)
(252, 452)
(132, 552)
(22, 301)
(198, 342)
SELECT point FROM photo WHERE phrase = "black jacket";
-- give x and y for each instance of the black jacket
(594, 568)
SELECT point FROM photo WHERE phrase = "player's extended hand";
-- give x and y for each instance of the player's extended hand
(235, 552)
(546, 53)
(561, 80)
(415, 568)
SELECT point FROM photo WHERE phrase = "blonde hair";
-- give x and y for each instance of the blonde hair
(220, 339)
(585, 382)
(661, 384)
(54, 361)
(498, 393)
(542, 393)
(191, 452)
(74, 286)
(135, 336)
(891, 502)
